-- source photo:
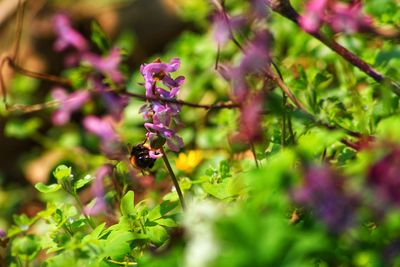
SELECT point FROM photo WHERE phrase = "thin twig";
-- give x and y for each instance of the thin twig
(180, 102)
(20, 22)
(37, 75)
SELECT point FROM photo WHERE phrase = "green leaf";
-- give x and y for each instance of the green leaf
(227, 189)
(47, 188)
(157, 234)
(84, 181)
(22, 128)
(161, 210)
(128, 204)
(26, 247)
(314, 142)
(99, 37)
(62, 172)
(167, 222)
(116, 245)
(224, 169)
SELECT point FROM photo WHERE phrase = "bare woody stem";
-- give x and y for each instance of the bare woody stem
(173, 178)
(180, 102)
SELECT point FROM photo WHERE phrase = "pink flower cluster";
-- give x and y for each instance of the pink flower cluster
(163, 116)
(340, 16)
(255, 61)
(104, 74)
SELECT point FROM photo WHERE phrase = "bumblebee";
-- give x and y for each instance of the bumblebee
(140, 157)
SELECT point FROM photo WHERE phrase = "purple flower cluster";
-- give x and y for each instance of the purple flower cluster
(340, 16)
(255, 62)
(105, 73)
(163, 116)
(384, 176)
(324, 193)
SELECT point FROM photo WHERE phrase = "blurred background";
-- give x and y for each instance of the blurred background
(28, 153)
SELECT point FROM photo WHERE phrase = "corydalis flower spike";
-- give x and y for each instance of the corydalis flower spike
(163, 116)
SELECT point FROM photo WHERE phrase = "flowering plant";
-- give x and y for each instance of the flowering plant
(278, 147)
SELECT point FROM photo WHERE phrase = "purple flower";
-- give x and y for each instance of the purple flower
(115, 103)
(348, 18)
(159, 71)
(255, 61)
(160, 129)
(256, 57)
(97, 189)
(314, 15)
(67, 36)
(68, 104)
(107, 65)
(102, 127)
(340, 16)
(384, 176)
(324, 193)
(251, 118)
(259, 8)
(223, 26)
(3, 233)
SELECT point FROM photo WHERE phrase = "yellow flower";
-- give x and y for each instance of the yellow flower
(187, 162)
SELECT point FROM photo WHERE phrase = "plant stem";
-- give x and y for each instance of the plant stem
(80, 207)
(173, 178)
(283, 131)
(292, 138)
(253, 150)
(122, 263)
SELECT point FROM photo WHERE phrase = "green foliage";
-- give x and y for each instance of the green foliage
(47, 188)
(99, 38)
(22, 128)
